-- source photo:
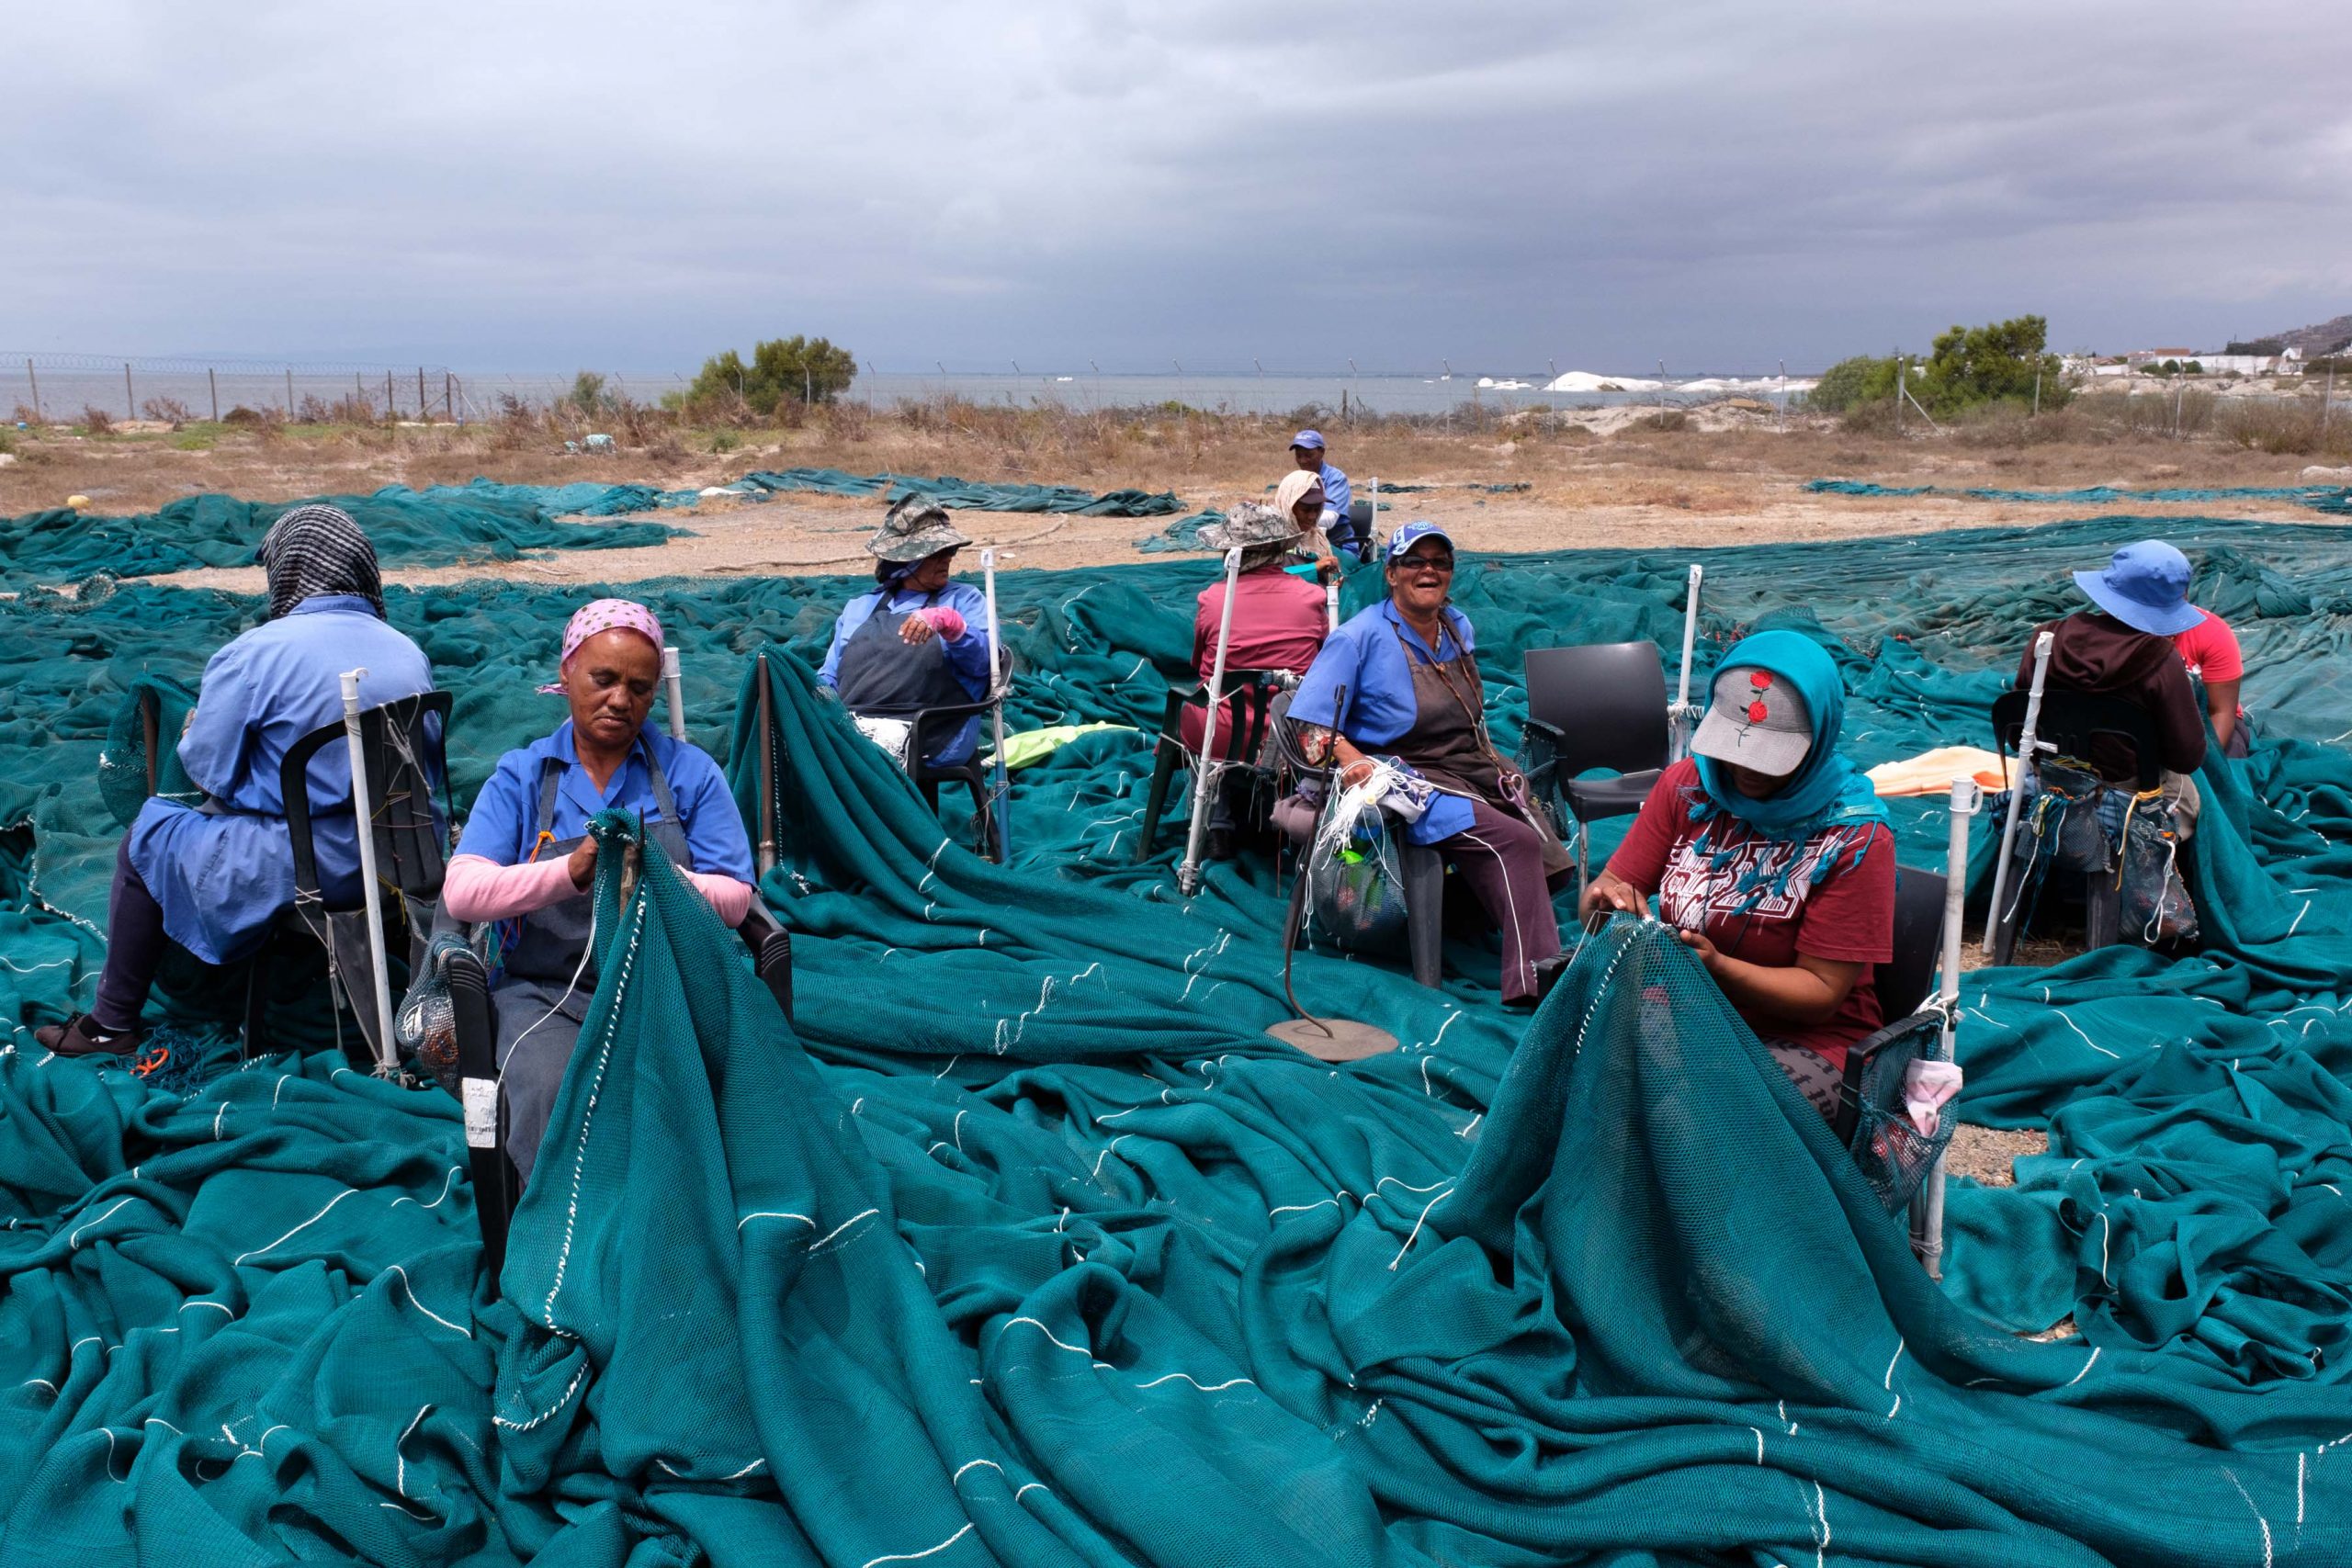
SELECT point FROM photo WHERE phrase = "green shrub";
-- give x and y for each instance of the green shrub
(1968, 367)
(782, 370)
(1851, 383)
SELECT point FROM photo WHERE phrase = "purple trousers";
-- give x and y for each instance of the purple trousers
(135, 945)
(1502, 860)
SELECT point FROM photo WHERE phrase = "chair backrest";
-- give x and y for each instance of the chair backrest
(403, 746)
(1608, 701)
(2095, 728)
(1904, 980)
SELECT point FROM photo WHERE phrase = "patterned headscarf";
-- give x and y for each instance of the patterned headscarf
(316, 548)
(605, 616)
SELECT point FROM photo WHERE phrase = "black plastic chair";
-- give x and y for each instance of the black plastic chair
(497, 1187)
(403, 752)
(2105, 735)
(1903, 981)
(1250, 693)
(1599, 706)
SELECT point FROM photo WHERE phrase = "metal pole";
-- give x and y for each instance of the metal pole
(2027, 743)
(289, 392)
(1784, 397)
(2037, 389)
(421, 415)
(672, 695)
(1371, 529)
(1965, 799)
(765, 859)
(1899, 394)
(32, 375)
(1188, 875)
(129, 402)
(365, 811)
(449, 397)
(1004, 812)
(1679, 715)
(2326, 398)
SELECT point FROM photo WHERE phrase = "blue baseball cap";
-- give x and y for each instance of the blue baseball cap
(1310, 439)
(2145, 586)
(1412, 534)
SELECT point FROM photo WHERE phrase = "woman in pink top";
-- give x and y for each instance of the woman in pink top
(1279, 620)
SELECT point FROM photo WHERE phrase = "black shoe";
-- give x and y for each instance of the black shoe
(1221, 845)
(81, 1036)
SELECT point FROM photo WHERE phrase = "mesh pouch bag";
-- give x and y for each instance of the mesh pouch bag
(1356, 879)
(1894, 1155)
(2157, 909)
(425, 1026)
(1539, 762)
(153, 710)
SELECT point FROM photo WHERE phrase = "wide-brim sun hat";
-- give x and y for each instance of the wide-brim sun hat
(1251, 523)
(2145, 586)
(915, 529)
(1756, 721)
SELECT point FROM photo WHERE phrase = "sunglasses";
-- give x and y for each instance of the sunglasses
(1434, 562)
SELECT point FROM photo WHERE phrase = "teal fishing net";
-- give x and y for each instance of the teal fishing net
(2323, 497)
(1028, 1245)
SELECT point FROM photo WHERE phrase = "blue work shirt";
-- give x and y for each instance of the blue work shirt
(1337, 494)
(1364, 656)
(967, 656)
(505, 824)
(222, 878)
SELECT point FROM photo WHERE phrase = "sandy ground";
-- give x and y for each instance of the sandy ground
(1728, 476)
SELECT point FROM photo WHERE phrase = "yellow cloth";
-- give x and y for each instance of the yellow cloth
(1025, 746)
(1931, 773)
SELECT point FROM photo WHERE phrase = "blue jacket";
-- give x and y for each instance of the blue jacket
(222, 877)
(1364, 656)
(504, 826)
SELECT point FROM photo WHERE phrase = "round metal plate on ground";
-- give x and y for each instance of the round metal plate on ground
(1334, 1038)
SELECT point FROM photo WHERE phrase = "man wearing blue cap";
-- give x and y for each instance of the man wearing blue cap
(2124, 648)
(1307, 450)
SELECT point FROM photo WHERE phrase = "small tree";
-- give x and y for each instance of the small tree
(792, 369)
(587, 392)
(1972, 365)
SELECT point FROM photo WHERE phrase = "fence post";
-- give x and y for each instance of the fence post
(129, 402)
(421, 416)
(2326, 398)
(1898, 394)
(390, 410)
(449, 396)
(289, 394)
(213, 380)
(30, 375)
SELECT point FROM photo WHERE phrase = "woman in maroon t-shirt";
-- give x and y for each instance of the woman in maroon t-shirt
(1771, 856)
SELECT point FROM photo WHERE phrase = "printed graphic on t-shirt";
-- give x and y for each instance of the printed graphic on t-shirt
(1692, 891)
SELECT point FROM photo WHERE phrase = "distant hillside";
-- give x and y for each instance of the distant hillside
(2327, 337)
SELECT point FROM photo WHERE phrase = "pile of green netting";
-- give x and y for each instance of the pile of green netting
(2319, 497)
(1028, 1245)
(964, 495)
(438, 527)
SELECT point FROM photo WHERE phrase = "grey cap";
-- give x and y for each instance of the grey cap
(1251, 523)
(1756, 721)
(915, 528)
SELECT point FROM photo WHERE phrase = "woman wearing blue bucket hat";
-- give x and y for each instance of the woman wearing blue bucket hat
(2124, 648)
(2145, 586)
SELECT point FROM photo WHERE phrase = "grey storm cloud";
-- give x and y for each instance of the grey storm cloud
(1716, 184)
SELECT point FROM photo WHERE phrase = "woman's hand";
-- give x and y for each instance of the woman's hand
(1327, 567)
(1354, 766)
(1710, 956)
(582, 864)
(1610, 894)
(915, 629)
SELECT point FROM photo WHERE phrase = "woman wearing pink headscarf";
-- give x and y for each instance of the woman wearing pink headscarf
(524, 864)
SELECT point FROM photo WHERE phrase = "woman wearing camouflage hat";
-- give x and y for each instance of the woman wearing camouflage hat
(1770, 853)
(919, 640)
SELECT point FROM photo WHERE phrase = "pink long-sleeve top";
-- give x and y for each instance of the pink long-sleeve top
(477, 889)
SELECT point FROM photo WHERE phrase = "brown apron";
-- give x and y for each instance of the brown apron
(1448, 743)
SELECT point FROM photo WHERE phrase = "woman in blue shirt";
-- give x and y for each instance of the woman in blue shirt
(214, 877)
(527, 862)
(919, 640)
(1399, 680)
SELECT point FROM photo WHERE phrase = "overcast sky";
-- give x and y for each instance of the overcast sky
(508, 184)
